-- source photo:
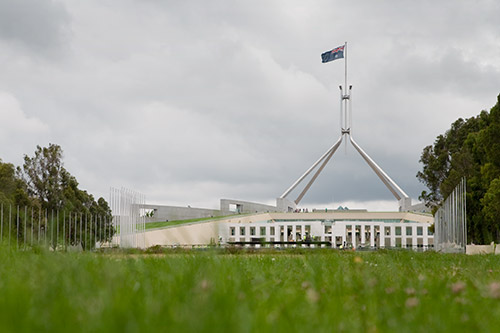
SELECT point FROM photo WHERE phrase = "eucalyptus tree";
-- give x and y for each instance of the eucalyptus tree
(471, 149)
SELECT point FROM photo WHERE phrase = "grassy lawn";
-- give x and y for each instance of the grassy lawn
(281, 291)
(153, 225)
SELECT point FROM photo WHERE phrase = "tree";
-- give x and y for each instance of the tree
(471, 149)
(12, 188)
(43, 174)
(491, 208)
(56, 189)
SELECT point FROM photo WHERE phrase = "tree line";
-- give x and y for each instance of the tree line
(45, 186)
(471, 149)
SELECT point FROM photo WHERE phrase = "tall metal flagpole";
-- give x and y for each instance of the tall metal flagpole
(345, 97)
(345, 127)
(345, 63)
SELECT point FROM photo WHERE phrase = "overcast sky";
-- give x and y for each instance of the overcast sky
(188, 102)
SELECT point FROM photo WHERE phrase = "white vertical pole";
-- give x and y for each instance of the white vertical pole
(86, 231)
(345, 62)
(76, 228)
(81, 228)
(31, 242)
(17, 228)
(64, 230)
(52, 228)
(57, 228)
(1, 224)
(25, 225)
(101, 229)
(69, 228)
(465, 211)
(341, 110)
(95, 232)
(39, 224)
(10, 222)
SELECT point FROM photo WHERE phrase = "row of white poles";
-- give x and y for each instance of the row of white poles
(450, 221)
(128, 216)
(27, 227)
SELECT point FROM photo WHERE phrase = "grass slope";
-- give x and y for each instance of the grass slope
(282, 291)
(153, 225)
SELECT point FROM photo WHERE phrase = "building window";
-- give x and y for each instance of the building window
(252, 231)
(398, 231)
(271, 231)
(262, 231)
(242, 231)
(387, 231)
(420, 231)
(232, 231)
(409, 231)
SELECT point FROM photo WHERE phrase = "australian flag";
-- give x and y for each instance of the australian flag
(336, 53)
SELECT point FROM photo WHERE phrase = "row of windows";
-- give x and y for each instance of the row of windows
(409, 231)
(387, 230)
(272, 230)
(348, 220)
(328, 230)
(252, 231)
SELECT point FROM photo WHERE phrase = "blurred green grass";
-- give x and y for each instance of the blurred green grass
(279, 291)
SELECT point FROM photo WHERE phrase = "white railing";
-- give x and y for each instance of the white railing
(126, 206)
(28, 227)
(450, 221)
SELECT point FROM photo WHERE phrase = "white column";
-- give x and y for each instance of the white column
(372, 235)
(425, 235)
(344, 235)
(353, 234)
(362, 230)
(414, 237)
(403, 236)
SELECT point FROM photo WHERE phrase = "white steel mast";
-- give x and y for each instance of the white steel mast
(345, 131)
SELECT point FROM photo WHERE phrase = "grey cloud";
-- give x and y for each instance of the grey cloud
(39, 25)
(193, 101)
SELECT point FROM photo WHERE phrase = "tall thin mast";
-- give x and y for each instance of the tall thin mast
(345, 62)
(345, 130)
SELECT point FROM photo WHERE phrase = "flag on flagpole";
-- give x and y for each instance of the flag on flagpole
(336, 53)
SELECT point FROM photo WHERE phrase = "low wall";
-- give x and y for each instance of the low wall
(482, 249)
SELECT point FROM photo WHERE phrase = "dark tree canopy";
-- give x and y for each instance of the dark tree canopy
(54, 187)
(44, 174)
(471, 149)
(46, 187)
(12, 188)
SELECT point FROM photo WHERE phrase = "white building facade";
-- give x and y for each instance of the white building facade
(361, 230)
